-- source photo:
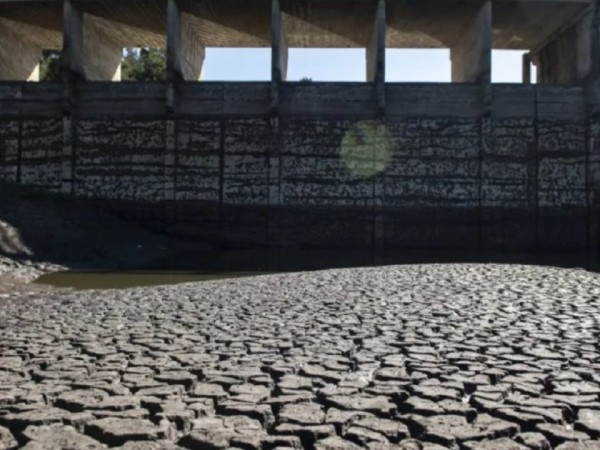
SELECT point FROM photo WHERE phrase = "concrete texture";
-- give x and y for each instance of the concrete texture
(375, 53)
(406, 357)
(472, 54)
(21, 57)
(324, 23)
(556, 32)
(325, 170)
(185, 54)
(565, 59)
(279, 46)
(373, 165)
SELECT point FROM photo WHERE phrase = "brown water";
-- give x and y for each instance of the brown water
(214, 265)
(127, 279)
(223, 264)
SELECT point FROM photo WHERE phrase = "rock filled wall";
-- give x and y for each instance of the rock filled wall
(323, 165)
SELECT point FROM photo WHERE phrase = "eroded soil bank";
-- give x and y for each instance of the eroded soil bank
(41, 234)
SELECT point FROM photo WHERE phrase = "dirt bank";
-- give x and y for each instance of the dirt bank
(42, 233)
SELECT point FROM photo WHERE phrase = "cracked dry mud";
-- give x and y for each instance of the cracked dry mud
(414, 357)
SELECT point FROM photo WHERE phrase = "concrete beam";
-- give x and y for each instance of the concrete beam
(279, 48)
(185, 54)
(89, 52)
(376, 49)
(19, 56)
(472, 54)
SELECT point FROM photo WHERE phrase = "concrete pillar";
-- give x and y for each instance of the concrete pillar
(19, 56)
(472, 55)
(185, 60)
(185, 54)
(566, 58)
(89, 53)
(279, 48)
(72, 42)
(526, 68)
(376, 48)
(72, 72)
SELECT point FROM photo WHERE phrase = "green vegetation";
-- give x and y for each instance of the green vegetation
(146, 64)
(51, 66)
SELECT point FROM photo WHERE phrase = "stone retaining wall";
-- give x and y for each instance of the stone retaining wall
(442, 166)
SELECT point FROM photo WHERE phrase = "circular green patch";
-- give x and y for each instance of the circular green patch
(367, 148)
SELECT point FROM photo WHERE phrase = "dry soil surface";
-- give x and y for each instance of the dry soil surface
(406, 357)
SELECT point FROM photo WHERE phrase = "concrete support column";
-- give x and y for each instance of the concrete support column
(526, 68)
(376, 54)
(73, 71)
(72, 42)
(279, 49)
(185, 60)
(472, 63)
(472, 55)
(185, 54)
(376, 48)
(279, 62)
(19, 56)
(89, 53)
(566, 58)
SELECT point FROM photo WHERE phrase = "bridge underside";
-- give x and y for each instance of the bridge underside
(555, 32)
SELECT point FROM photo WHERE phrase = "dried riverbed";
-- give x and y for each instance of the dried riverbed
(406, 357)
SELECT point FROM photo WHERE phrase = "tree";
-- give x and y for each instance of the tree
(146, 64)
(51, 65)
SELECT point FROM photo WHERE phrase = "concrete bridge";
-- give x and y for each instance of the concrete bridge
(93, 33)
(463, 165)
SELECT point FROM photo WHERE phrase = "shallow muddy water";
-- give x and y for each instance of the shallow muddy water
(222, 264)
(208, 266)
(126, 279)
